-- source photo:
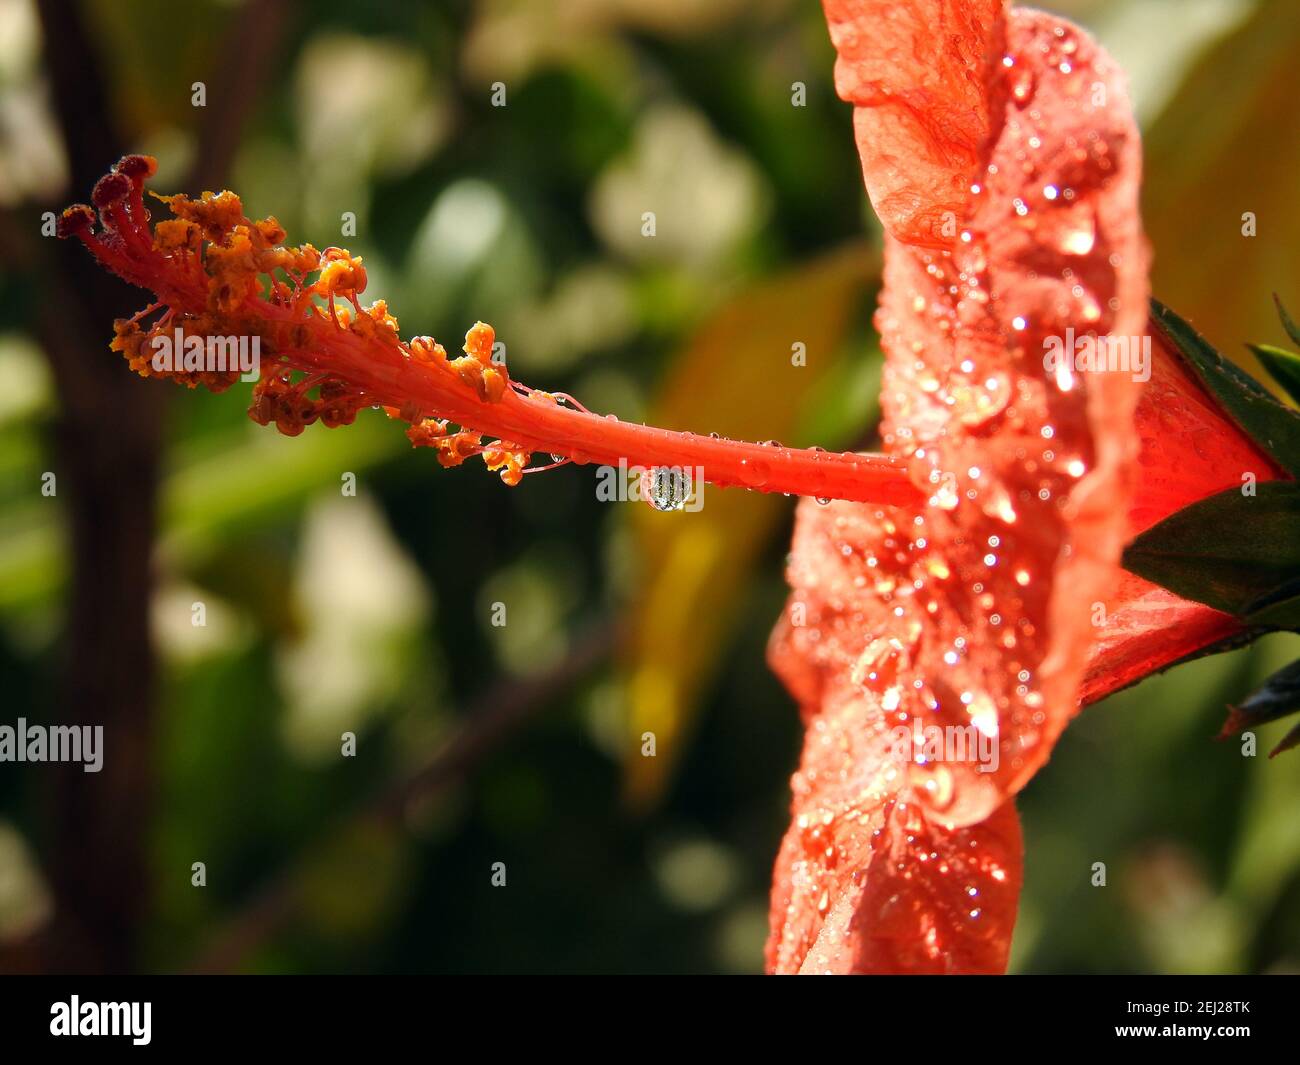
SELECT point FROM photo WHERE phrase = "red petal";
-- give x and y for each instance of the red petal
(919, 74)
(990, 587)
(1147, 628)
(1190, 448)
(1006, 173)
(865, 883)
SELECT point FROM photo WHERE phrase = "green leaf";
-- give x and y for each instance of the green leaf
(1272, 425)
(1230, 551)
(1288, 323)
(1284, 366)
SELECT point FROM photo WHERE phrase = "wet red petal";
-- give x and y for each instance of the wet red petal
(1146, 629)
(919, 74)
(865, 882)
(986, 593)
(1006, 175)
(1190, 450)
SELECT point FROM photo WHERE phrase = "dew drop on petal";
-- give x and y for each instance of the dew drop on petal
(1079, 240)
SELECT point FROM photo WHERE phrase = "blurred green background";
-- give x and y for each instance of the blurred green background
(521, 744)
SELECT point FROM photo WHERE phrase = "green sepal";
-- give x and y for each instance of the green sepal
(1235, 552)
(1276, 698)
(1278, 609)
(1283, 366)
(1272, 425)
(1291, 739)
(1292, 330)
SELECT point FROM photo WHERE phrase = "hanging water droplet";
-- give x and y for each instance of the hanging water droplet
(669, 488)
(754, 472)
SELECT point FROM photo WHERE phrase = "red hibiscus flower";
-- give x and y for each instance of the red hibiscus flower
(1044, 527)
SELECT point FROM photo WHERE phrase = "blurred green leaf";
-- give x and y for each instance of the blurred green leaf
(222, 484)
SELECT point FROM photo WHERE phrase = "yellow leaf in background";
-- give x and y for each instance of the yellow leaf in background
(739, 376)
(1227, 146)
(182, 48)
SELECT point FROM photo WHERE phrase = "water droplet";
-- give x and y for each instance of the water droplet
(754, 472)
(945, 496)
(1064, 376)
(935, 783)
(669, 488)
(1078, 240)
(1022, 87)
(978, 403)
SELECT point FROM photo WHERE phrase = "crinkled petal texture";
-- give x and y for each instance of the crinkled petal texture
(1001, 154)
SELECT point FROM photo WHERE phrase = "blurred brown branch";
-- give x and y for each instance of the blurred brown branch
(107, 445)
(503, 709)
